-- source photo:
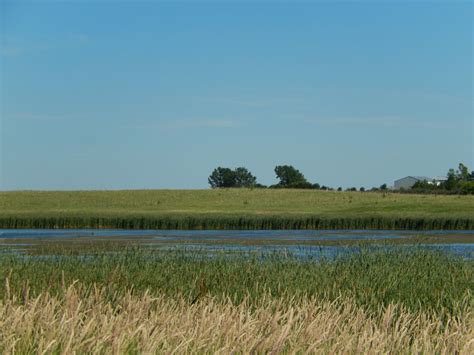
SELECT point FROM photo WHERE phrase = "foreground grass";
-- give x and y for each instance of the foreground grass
(420, 280)
(393, 300)
(234, 209)
(73, 323)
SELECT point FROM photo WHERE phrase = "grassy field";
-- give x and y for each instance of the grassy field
(234, 209)
(139, 301)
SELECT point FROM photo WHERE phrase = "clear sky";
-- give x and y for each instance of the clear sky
(108, 95)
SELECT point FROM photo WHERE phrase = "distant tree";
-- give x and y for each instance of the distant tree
(290, 177)
(222, 177)
(457, 182)
(456, 178)
(383, 187)
(451, 181)
(225, 177)
(351, 189)
(244, 178)
(324, 188)
(339, 188)
(463, 172)
(316, 186)
(362, 189)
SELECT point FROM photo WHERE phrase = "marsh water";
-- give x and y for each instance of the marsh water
(315, 243)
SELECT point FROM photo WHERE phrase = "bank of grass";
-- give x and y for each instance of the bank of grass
(234, 209)
(392, 300)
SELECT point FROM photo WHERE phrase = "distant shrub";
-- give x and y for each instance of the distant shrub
(300, 185)
(467, 188)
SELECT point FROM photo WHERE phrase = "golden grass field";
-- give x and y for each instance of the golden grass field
(143, 324)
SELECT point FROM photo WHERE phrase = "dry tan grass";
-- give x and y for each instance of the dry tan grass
(78, 324)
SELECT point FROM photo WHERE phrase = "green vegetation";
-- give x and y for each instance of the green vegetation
(458, 182)
(144, 303)
(225, 177)
(290, 178)
(139, 300)
(417, 279)
(134, 301)
(234, 209)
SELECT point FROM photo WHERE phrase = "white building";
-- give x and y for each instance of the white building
(408, 181)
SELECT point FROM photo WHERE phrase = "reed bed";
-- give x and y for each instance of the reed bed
(147, 301)
(234, 209)
(420, 280)
(230, 222)
(73, 323)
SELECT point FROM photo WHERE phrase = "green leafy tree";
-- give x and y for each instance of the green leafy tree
(463, 172)
(451, 181)
(225, 177)
(291, 177)
(222, 177)
(244, 178)
(456, 178)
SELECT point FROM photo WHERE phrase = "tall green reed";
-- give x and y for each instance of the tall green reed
(419, 279)
(243, 222)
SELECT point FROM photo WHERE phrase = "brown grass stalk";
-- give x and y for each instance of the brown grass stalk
(91, 324)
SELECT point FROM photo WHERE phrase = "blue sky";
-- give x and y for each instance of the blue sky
(108, 95)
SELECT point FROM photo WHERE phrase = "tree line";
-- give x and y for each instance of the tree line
(458, 181)
(288, 176)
